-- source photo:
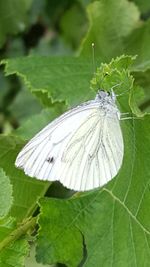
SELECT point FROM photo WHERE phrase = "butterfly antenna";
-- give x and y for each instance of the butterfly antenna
(93, 60)
(94, 65)
(115, 85)
(123, 92)
(120, 93)
(93, 57)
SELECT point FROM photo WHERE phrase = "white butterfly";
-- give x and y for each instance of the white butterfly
(83, 148)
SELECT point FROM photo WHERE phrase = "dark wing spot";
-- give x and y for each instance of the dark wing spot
(50, 160)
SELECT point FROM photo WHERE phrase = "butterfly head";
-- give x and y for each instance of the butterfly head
(106, 97)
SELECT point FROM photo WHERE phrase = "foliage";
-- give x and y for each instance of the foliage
(12, 17)
(12, 248)
(113, 21)
(46, 68)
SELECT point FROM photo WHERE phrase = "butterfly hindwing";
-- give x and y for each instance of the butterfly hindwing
(96, 157)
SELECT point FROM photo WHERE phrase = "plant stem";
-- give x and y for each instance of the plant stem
(17, 233)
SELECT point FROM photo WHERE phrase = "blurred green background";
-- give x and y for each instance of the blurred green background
(34, 27)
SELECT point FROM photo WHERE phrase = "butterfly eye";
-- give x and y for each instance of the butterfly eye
(108, 93)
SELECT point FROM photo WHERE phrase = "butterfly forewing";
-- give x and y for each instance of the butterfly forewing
(83, 148)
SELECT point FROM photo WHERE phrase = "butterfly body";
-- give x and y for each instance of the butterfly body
(83, 148)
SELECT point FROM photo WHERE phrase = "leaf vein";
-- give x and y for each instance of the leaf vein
(128, 211)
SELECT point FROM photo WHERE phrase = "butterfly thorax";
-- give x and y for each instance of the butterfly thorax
(107, 103)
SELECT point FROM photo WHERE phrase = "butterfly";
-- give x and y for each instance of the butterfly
(83, 148)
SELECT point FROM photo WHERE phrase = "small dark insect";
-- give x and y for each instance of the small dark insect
(50, 160)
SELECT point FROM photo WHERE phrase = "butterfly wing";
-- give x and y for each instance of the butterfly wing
(50, 142)
(93, 159)
(83, 149)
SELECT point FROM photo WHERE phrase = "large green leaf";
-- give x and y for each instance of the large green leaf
(110, 21)
(66, 78)
(108, 227)
(63, 78)
(5, 194)
(12, 17)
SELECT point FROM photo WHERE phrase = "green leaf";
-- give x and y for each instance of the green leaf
(114, 74)
(143, 79)
(12, 255)
(5, 194)
(110, 21)
(26, 190)
(137, 43)
(24, 99)
(107, 227)
(57, 78)
(38, 121)
(12, 17)
(74, 24)
(137, 97)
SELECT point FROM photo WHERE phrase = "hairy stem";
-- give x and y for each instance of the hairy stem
(17, 233)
